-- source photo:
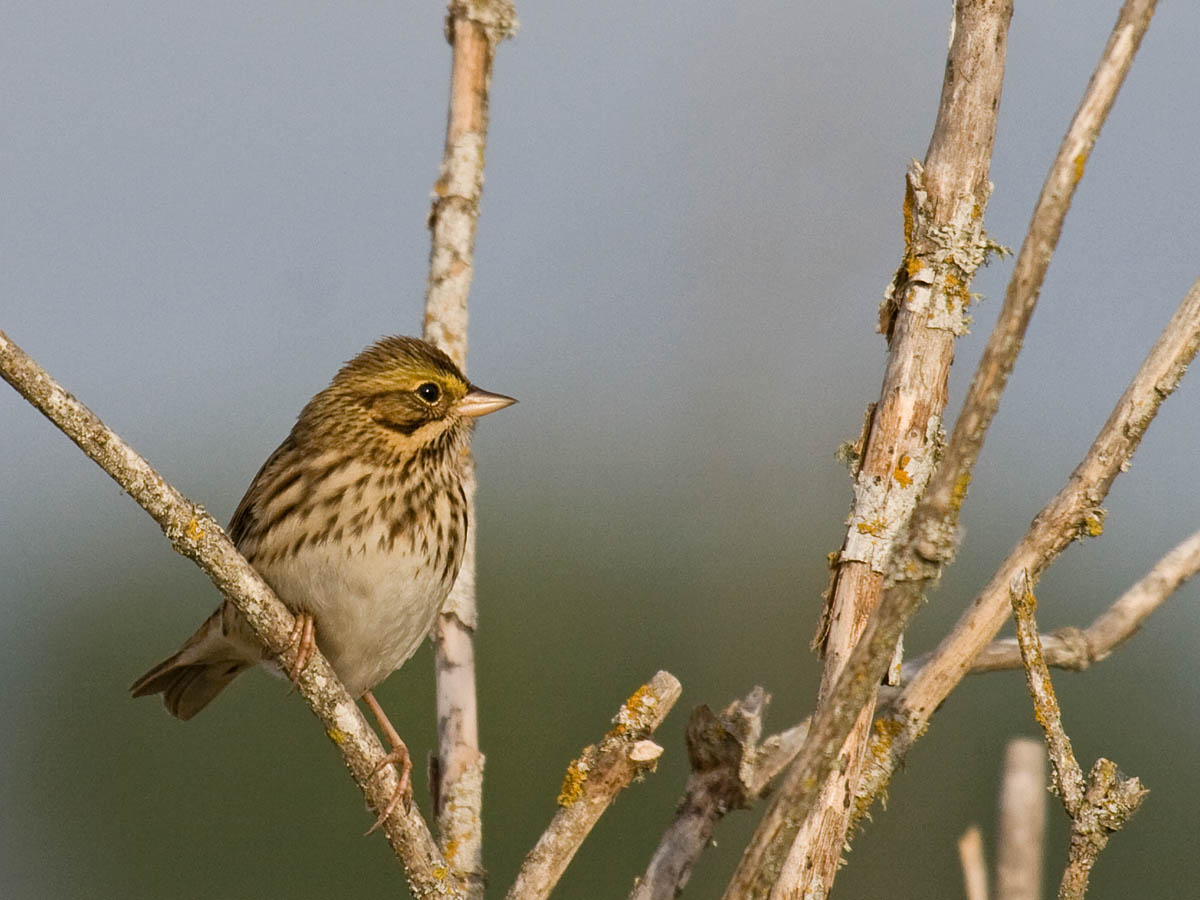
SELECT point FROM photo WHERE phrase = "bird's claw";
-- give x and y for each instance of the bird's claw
(403, 793)
(303, 640)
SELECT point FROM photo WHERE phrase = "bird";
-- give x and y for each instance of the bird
(358, 522)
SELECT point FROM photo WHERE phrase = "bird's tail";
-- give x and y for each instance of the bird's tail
(204, 665)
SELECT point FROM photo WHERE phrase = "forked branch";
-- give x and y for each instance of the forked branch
(1078, 648)
(1098, 805)
(931, 536)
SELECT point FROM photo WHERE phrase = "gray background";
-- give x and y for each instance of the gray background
(691, 211)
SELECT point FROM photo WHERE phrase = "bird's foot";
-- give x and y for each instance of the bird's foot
(398, 756)
(303, 640)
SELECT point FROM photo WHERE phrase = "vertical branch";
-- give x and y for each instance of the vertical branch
(1021, 822)
(924, 311)
(974, 865)
(473, 28)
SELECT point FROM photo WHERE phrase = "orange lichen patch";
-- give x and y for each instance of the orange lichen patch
(886, 731)
(337, 735)
(900, 474)
(1027, 604)
(1079, 162)
(959, 493)
(874, 528)
(194, 532)
(632, 715)
(573, 782)
(956, 289)
(913, 265)
(1093, 526)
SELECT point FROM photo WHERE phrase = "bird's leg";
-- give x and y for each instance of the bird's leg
(398, 755)
(304, 640)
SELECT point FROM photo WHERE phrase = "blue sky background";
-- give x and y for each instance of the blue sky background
(691, 211)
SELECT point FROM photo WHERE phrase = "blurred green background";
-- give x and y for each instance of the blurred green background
(691, 211)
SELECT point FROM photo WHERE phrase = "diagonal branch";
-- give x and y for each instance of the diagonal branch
(592, 783)
(931, 537)
(1071, 514)
(197, 535)
(1068, 777)
(1078, 648)
(473, 28)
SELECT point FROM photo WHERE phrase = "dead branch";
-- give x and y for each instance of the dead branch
(730, 770)
(593, 781)
(1072, 514)
(931, 537)
(1021, 822)
(924, 310)
(1098, 805)
(1078, 648)
(974, 866)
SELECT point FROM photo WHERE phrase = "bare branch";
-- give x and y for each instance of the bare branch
(1068, 777)
(593, 781)
(197, 535)
(931, 537)
(474, 28)
(924, 310)
(1110, 800)
(974, 866)
(1078, 648)
(1103, 802)
(1073, 513)
(1021, 822)
(730, 770)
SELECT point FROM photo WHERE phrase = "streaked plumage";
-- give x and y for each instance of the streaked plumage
(358, 518)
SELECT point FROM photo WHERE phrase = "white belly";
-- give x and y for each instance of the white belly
(372, 607)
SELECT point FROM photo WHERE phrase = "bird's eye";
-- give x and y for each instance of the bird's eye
(429, 392)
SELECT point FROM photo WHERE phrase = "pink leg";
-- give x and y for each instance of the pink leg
(304, 640)
(398, 755)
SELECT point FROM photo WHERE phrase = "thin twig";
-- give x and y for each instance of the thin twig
(924, 310)
(730, 770)
(1073, 513)
(1078, 648)
(197, 535)
(1021, 822)
(931, 538)
(593, 781)
(1068, 777)
(974, 866)
(1098, 805)
(473, 29)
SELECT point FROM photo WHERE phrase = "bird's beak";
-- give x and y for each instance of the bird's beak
(479, 403)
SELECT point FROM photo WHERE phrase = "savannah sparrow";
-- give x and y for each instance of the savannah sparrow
(357, 521)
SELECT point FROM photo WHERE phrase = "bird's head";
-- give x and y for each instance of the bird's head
(400, 395)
